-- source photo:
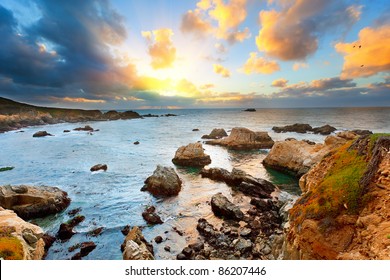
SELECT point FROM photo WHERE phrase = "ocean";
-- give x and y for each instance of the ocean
(113, 199)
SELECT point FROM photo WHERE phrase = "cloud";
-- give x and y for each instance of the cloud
(293, 32)
(367, 56)
(260, 65)
(299, 65)
(220, 48)
(76, 100)
(219, 69)
(218, 18)
(280, 83)
(161, 48)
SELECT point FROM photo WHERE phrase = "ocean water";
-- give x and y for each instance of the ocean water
(113, 199)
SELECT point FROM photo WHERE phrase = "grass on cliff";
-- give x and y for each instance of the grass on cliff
(10, 247)
(339, 191)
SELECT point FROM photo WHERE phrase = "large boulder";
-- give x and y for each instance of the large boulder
(241, 181)
(216, 133)
(242, 138)
(33, 202)
(297, 157)
(163, 182)
(135, 247)
(191, 155)
(298, 127)
(19, 240)
(324, 130)
(221, 206)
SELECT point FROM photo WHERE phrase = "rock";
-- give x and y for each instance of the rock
(98, 167)
(48, 240)
(167, 248)
(261, 204)
(77, 256)
(242, 245)
(239, 180)
(125, 230)
(112, 115)
(244, 139)
(33, 202)
(127, 115)
(181, 257)
(85, 128)
(250, 110)
(221, 206)
(297, 157)
(19, 240)
(7, 168)
(41, 134)
(73, 212)
(86, 248)
(191, 155)
(150, 216)
(136, 143)
(245, 232)
(95, 232)
(65, 231)
(362, 132)
(324, 130)
(216, 133)
(187, 251)
(158, 239)
(150, 116)
(66, 131)
(163, 182)
(197, 246)
(136, 247)
(195, 129)
(298, 127)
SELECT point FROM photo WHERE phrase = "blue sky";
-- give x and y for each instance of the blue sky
(195, 54)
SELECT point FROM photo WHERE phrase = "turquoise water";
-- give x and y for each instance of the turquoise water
(113, 199)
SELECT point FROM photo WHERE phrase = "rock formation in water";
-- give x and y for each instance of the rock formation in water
(297, 157)
(19, 240)
(216, 133)
(98, 167)
(150, 215)
(41, 134)
(163, 182)
(304, 128)
(191, 155)
(242, 138)
(343, 212)
(135, 247)
(33, 202)
(222, 207)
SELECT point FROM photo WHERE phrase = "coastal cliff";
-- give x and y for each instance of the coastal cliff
(343, 212)
(15, 115)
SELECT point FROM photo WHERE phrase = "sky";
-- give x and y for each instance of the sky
(117, 54)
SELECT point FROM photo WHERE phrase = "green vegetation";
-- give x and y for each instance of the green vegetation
(8, 168)
(374, 137)
(388, 236)
(339, 191)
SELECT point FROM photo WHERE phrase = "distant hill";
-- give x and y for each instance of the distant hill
(15, 115)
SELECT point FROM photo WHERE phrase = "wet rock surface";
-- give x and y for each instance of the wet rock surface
(42, 134)
(191, 155)
(151, 216)
(98, 167)
(216, 133)
(163, 182)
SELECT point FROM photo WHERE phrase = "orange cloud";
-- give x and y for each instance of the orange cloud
(193, 22)
(280, 83)
(298, 65)
(161, 48)
(367, 56)
(219, 69)
(293, 32)
(256, 64)
(77, 100)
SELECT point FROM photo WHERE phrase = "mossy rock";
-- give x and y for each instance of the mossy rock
(11, 248)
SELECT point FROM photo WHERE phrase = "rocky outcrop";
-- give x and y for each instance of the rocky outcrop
(324, 130)
(41, 134)
(244, 139)
(33, 202)
(222, 207)
(163, 182)
(298, 127)
(135, 247)
(343, 212)
(65, 231)
(241, 181)
(216, 133)
(191, 155)
(297, 157)
(85, 128)
(19, 240)
(151, 216)
(98, 167)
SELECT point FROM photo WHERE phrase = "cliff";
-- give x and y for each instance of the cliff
(15, 115)
(344, 210)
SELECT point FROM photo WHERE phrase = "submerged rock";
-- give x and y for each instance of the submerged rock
(42, 134)
(85, 128)
(163, 182)
(135, 247)
(244, 139)
(98, 167)
(33, 202)
(221, 206)
(191, 155)
(19, 240)
(216, 133)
